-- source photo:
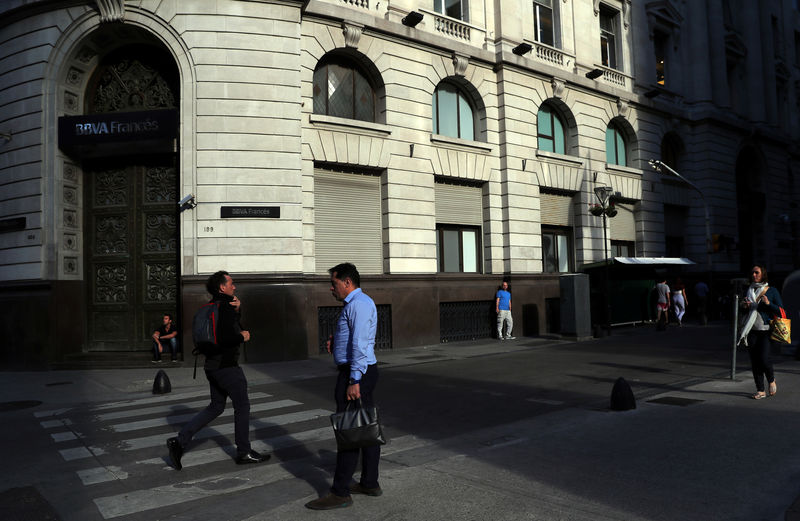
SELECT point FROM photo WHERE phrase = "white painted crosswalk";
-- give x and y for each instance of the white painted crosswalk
(120, 458)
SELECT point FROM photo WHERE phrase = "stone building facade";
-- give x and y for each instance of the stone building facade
(440, 145)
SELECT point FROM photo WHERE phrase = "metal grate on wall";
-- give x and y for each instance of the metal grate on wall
(327, 316)
(466, 320)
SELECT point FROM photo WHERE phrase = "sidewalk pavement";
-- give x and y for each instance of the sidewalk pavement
(621, 444)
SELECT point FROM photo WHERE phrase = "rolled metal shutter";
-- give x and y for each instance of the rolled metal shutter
(347, 221)
(457, 204)
(556, 209)
(622, 227)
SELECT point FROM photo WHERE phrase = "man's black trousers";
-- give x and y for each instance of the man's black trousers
(229, 381)
(347, 460)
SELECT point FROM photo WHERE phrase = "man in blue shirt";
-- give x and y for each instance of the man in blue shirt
(353, 348)
(503, 310)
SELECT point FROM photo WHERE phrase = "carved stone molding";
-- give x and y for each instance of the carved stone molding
(623, 108)
(559, 86)
(111, 10)
(352, 34)
(460, 63)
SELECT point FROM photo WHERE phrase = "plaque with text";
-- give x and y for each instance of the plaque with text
(250, 212)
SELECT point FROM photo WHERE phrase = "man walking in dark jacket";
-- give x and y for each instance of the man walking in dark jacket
(225, 377)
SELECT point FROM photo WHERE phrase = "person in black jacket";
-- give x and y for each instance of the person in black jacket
(225, 377)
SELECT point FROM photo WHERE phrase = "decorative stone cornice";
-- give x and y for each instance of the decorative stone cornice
(352, 34)
(111, 10)
(460, 63)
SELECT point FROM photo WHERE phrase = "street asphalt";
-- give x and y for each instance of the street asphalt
(696, 443)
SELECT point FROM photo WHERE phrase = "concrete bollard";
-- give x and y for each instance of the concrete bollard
(622, 398)
(161, 383)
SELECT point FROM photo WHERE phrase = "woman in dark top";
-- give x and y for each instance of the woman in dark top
(764, 302)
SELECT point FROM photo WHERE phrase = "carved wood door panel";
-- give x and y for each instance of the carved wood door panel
(131, 251)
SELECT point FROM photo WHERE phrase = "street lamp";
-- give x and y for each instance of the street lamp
(606, 209)
(660, 166)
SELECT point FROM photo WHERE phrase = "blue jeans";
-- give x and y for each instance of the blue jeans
(347, 460)
(173, 346)
(226, 382)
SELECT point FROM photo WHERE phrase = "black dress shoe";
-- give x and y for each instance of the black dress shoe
(175, 452)
(252, 457)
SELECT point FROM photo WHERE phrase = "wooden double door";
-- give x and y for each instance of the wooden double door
(131, 250)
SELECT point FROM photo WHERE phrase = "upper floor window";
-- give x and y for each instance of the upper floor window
(660, 41)
(457, 9)
(543, 22)
(550, 131)
(615, 146)
(609, 37)
(342, 90)
(453, 114)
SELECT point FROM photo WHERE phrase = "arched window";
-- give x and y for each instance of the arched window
(342, 90)
(615, 146)
(453, 114)
(550, 130)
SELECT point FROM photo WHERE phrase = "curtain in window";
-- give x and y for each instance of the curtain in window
(341, 90)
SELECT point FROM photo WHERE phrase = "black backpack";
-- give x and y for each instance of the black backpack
(204, 329)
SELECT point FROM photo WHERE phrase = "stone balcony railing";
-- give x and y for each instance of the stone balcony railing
(552, 56)
(454, 28)
(357, 3)
(614, 77)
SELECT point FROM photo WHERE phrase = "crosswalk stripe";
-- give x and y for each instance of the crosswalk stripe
(183, 418)
(228, 428)
(81, 453)
(225, 428)
(196, 458)
(58, 437)
(61, 422)
(165, 409)
(126, 403)
(164, 496)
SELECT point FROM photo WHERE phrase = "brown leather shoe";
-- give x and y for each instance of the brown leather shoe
(356, 488)
(330, 502)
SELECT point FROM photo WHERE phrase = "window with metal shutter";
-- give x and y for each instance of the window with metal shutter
(622, 227)
(456, 204)
(556, 209)
(347, 221)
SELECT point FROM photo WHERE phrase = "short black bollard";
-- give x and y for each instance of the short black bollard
(161, 384)
(622, 398)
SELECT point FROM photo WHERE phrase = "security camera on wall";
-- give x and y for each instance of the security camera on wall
(187, 202)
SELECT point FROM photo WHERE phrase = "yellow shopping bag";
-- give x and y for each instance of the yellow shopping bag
(781, 329)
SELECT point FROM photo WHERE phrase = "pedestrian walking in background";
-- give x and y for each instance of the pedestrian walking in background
(761, 303)
(503, 310)
(701, 293)
(662, 304)
(353, 349)
(679, 300)
(225, 377)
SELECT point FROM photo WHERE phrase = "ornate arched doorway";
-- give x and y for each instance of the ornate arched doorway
(130, 194)
(751, 206)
